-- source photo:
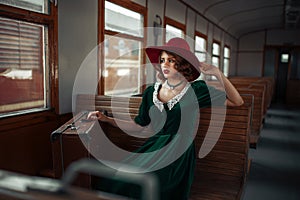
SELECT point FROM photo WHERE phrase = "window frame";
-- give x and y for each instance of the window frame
(49, 20)
(102, 32)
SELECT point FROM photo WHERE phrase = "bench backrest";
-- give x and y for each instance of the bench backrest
(268, 82)
(228, 160)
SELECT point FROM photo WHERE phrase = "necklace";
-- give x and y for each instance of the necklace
(172, 87)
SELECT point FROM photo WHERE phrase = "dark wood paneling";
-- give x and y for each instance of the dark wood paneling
(25, 141)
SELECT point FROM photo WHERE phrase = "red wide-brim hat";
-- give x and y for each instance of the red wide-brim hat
(178, 46)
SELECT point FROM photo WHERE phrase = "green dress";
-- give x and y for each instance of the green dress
(170, 152)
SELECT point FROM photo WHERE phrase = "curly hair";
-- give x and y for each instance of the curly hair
(182, 66)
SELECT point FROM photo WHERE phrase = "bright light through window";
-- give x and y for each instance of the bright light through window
(122, 72)
(172, 32)
(200, 48)
(41, 6)
(123, 20)
(284, 58)
(121, 10)
(17, 74)
(216, 49)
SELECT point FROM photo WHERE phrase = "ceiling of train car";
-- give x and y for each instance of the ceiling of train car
(239, 17)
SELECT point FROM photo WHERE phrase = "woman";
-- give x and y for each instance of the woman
(171, 108)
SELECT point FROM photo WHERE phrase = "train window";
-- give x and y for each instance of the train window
(123, 52)
(40, 6)
(226, 61)
(284, 58)
(22, 65)
(28, 57)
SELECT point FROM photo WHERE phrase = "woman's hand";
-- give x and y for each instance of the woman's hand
(96, 115)
(208, 69)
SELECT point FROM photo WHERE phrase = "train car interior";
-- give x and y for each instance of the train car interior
(62, 59)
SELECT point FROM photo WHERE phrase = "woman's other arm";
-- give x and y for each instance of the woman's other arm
(126, 125)
(233, 96)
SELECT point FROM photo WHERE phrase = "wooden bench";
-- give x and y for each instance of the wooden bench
(222, 173)
(219, 175)
(255, 97)
(257, 113)
(267, 82)
(262, 88)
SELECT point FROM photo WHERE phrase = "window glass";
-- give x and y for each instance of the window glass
(284, 58)
(226, 67)
(123, 20)
(216, 49)
(200, 48)
(40, 6)
(215, 61)
(201, 56)
(200, 44)
(226, 61)
(226, 52)
(122, 66)
(172, 32)
(22, 65)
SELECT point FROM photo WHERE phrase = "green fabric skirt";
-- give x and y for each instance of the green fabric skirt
(174, 180)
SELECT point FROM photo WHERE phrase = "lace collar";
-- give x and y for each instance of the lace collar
(171, 102)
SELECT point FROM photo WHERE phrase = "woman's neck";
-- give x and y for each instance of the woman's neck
(175, 84)
(173, 81)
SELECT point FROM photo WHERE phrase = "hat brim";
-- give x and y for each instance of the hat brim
(153, 53)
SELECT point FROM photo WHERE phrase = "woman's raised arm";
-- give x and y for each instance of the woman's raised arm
(233, 96)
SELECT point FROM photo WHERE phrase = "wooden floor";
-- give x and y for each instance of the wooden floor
(275, 167)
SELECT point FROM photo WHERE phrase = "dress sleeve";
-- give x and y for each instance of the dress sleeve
(143, 117)
(207, 95)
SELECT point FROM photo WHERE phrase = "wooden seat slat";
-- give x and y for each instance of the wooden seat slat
(228, 136)
(219, 156)
(225, 168)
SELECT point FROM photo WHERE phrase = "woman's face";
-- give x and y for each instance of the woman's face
(167, 64)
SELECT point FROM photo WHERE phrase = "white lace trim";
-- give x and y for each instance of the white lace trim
(171, 102)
